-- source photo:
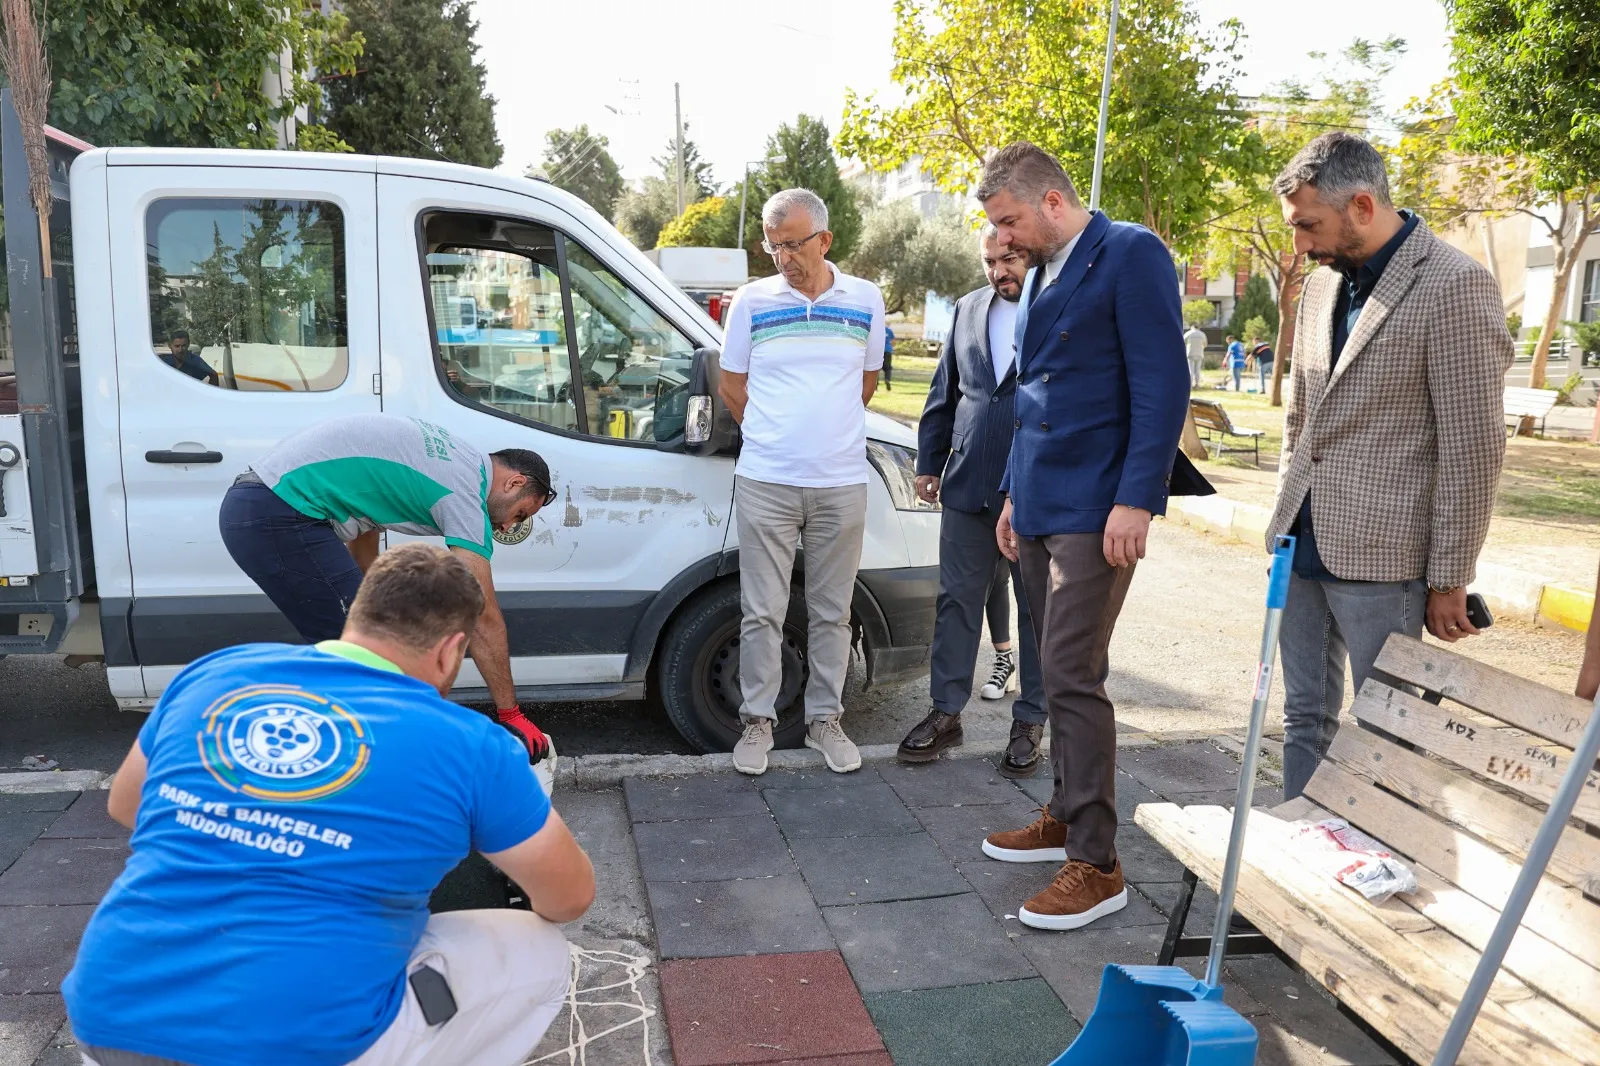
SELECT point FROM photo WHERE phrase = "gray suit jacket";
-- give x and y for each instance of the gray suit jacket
(964, 437)
(1400, 445)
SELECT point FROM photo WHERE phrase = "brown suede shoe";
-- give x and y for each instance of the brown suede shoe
(1022, 751)
(1079, 894)
(1043, 841)
(930, 736)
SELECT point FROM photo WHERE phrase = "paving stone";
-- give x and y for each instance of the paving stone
(37, 945)
(817, 777)
(948, 783)
(18, 831)
(1072, 962)
(1202, 909)
(925, 943)
(59, 1056)
(1265, 796)
(847, 811)
(27, 1024)
(876, 869)
(1305, 1011)
(1009, 1023)
(87, 820)
(1143, 859)
(1234, 994)
(25, 802)
(959, 831)
(663, 799)
(1005, 886)
(1040, 786)
(711, 849)
(1130, 793)
(1180, 768)
(617, 1006)
(764, 1008)
(599, 822)
(764, 916)
(63, 872)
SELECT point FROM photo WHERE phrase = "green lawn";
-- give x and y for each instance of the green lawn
(906, 396)
(1246, 410)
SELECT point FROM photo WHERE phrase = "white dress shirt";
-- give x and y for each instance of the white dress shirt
(1002, 335)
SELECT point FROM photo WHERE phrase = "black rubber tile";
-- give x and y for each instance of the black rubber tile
(18, 831)
(1016, 1023)
(848, 811)
(1143, 859)
(37, 945)
(62, 872)
(23, 802)
(764, 916)
(1073, 961)
(27, 1026)
(665, 799)
(876, 869)
(1301, 1008)
(925, 943)
(1180, 768)
(817, 777)
(87, 820)
(949, 783)
(712, 849)
(959, 831)
(1264, 796)
(1006, 886)
(474, 884)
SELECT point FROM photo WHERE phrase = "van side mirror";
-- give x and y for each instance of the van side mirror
(709, 428)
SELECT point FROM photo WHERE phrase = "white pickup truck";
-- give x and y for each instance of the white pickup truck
(313, 286)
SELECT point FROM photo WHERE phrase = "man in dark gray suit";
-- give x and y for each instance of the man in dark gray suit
(962, 444)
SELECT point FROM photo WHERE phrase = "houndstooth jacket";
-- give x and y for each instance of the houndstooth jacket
(1401, 446)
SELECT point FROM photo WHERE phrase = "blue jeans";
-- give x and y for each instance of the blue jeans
(1325, 623)
(1237, 372)
(298, 561)
(1264, 373)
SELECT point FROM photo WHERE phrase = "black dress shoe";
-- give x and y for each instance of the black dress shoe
(1022, 752)
(930, 736)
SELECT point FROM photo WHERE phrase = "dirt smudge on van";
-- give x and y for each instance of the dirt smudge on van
(573, 518)
(638, 494)
(594, 514)
(645, 515)
(619, 517)
(713, 519)
(545, 536)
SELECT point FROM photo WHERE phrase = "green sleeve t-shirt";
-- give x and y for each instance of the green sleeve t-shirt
(366, 472)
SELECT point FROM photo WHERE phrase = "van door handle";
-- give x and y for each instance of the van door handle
(169, 456)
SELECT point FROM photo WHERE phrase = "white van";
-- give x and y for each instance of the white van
(314, 286)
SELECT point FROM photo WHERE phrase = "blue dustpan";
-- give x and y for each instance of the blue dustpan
(1163, 1015)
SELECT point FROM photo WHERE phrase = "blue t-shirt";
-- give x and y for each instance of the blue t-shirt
(1236, 355)
(301, 805)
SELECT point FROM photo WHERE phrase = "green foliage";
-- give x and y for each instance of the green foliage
(707, 224)
(800, 155)
(909, 256)
(1257, 302)
(420, 91)
(188, 72)
(1587, 334)
(1568, 387)
(976, 74)
(642, 212)
(309, 138)
(1198, 312)
(1514, 324)
(1255, 330)
(697, 180)
(580, 162)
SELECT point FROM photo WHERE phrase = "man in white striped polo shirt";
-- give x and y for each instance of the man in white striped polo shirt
(800, 359)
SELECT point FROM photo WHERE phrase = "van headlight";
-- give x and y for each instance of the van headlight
(898, 465)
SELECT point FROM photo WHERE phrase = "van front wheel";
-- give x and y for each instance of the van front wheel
(698, 671)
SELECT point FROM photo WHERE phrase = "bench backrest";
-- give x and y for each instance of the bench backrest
(1535, 403)
(1462, 805)
(1208, 414)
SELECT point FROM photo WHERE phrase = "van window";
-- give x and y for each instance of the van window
(502, 337)
(249, 294)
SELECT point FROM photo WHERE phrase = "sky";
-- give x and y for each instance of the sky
(743, 68)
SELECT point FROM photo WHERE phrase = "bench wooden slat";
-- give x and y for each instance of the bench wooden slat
(1556, 716)
(1558, 913)
(1512, 761)
(1505, 822)
(1373, 979)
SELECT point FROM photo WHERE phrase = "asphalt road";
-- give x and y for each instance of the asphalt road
(1182, 660)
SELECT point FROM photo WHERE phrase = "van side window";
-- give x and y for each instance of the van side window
(249, 294)
(502, 338)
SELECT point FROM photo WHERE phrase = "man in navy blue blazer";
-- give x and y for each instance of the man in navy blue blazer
(1102, 392)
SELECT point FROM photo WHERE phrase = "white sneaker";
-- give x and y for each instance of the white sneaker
(839, 751)
(750, 754)
(1004, 679)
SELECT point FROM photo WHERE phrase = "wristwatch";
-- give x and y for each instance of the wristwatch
(1443, 590)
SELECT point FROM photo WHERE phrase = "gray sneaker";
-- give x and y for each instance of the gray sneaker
(827, 736)
(750, 754)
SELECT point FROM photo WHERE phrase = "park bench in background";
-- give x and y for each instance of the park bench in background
(1460, 801)
(1527, 406)
(1209, 418)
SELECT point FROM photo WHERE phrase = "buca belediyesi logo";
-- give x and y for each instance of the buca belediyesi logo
(516, 534)
(278, 742)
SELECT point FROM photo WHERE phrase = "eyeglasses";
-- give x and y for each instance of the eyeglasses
(788, 246)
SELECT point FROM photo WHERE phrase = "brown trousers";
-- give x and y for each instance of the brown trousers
(1076, 597)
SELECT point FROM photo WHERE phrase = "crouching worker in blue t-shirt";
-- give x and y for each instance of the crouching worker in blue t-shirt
(293, 807)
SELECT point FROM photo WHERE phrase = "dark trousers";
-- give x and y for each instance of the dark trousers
(298, 561)
(969, 561)
(1077, 597)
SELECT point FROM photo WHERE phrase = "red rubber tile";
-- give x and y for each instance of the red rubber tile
(800, 1008)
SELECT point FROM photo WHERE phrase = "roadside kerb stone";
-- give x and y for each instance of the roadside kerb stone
(54, 781)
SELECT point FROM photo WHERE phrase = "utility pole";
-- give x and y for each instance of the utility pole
(677, 104)
(1105, 107)
(744, 197)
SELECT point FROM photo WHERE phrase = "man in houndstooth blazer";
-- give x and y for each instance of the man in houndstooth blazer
(1392, 440)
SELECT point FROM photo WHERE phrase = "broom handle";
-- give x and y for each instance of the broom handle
(1277, 597)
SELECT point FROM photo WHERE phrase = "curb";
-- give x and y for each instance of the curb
(1510, 592)
(54, 781)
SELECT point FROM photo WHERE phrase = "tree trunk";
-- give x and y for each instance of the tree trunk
(1283, 345)
(1190, 441)
(1566, 261)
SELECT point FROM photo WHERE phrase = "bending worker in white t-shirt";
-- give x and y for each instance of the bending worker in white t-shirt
(800, 360)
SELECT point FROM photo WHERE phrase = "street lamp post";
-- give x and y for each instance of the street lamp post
(1105, 107)
(744, 196)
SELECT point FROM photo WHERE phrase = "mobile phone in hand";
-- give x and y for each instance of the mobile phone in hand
(1478, 611)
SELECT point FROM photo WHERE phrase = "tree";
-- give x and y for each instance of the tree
(1255, 329)
(697, 180)
(976, 74)
(909, 256)
(189, 73)
(1198, 312)
(420, 90)
(1256, 302)
(707, 224)
(800, 155)
(580, 162)
(642, 212)
(1249, 218)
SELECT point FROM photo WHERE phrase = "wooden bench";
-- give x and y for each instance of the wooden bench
(1527, 406)
(1208, 415)
(1459, 798)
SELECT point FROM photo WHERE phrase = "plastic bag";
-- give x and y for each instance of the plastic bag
(1352, 858)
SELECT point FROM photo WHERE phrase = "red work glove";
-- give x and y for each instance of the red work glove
(522, 726)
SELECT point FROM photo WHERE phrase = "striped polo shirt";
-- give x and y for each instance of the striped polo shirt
(805, 424)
